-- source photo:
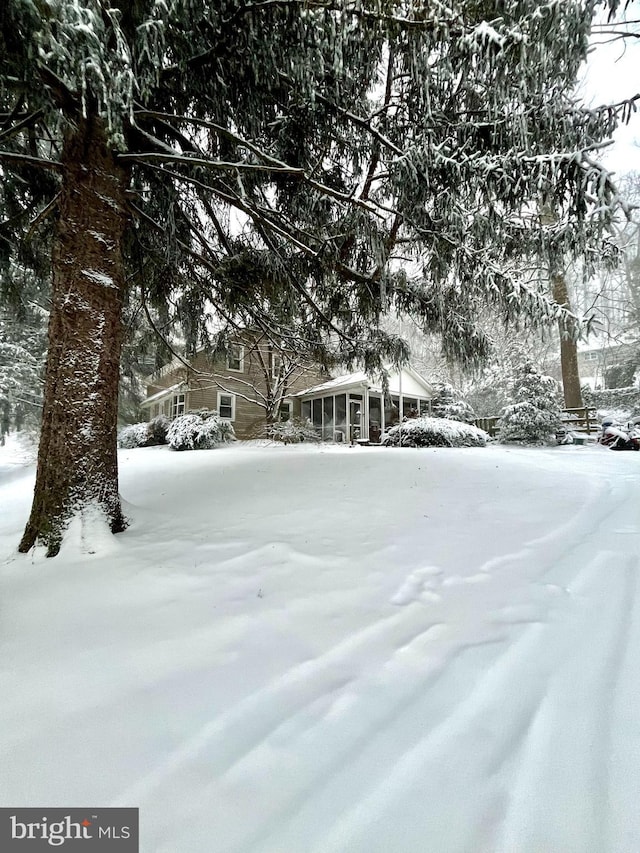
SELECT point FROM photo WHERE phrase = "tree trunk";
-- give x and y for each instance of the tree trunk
(77, 460)
(568, 350)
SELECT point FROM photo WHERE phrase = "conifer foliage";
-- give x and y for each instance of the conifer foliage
(536, 416)
(237, 155)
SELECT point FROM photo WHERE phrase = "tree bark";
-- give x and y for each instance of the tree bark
(77, 459)
(568, 350)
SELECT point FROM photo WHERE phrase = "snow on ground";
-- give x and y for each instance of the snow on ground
(331, 649)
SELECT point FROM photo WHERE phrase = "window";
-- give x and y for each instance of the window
(341, 413)
(235, 358)
(306, 410)
(327, 413)
(276, 365)
(409, 407)
(316, 414)
(284, 412)
(177, 405)
(226, 406)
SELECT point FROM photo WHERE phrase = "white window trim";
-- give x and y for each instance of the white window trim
(276, 365)
(240, 369)
(233, 405)
(178, 407)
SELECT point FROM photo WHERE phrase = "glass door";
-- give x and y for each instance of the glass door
(355, 418)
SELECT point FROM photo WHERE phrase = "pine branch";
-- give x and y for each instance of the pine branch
(27, 121)
(159, 157)
(26, 160)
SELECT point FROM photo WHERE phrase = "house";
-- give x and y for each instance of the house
(607, 365)
(254, 382)
(250, 384)
(355, 408)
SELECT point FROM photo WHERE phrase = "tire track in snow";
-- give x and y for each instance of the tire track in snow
(560, 799)
(622, 832)
(528, 711)
(461, 766)
(252, 726)
(232, 734)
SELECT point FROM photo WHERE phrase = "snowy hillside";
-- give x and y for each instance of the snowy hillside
(332, 649)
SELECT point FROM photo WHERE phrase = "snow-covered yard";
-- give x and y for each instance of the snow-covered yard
(326, 649)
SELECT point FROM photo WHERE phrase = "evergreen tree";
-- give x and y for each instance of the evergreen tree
(208, 157)
(536, 415)
(449, 403)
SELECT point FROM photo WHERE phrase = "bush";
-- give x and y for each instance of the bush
(292, 431)
(199, 431)
(527, 424)
(144, 434)
(435, 432)
(623, 399)
(536, 416)
(158, 427)
(134, 435)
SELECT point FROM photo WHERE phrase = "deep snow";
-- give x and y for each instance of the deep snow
(318, 649)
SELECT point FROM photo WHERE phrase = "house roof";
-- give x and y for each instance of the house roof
(160, 395)
(351, 380)
(340, 382)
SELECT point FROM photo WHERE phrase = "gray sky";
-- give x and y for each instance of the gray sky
(612, 75)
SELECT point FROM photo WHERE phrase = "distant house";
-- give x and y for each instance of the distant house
(354, 407)
(251, 384)
(604, 366)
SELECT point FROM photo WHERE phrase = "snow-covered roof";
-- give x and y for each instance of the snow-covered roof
(160, 395)
(340, 382)
(351, 380)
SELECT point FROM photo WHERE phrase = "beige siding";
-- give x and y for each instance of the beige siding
(208, 378)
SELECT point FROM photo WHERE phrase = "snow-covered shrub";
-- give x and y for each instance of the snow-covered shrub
(183, 432)
(135, 435)
(144, 434)
(623, 399)
(213, 432)
(158, 427)
(536, 415)
(199, 431)
(293, 431)
(448, 403)
(434, 432)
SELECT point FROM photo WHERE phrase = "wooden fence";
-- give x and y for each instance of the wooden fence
(583, 420)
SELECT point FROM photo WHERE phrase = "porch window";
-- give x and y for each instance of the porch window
(327, 412)
(391, 412)
(409, 407)
(305, 410)
(227, 406)
(340, 410)
(316, 416)
(375, 418)
(235, 358)
(177, 405)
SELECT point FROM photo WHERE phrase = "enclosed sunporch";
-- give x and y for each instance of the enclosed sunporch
(354, 408)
